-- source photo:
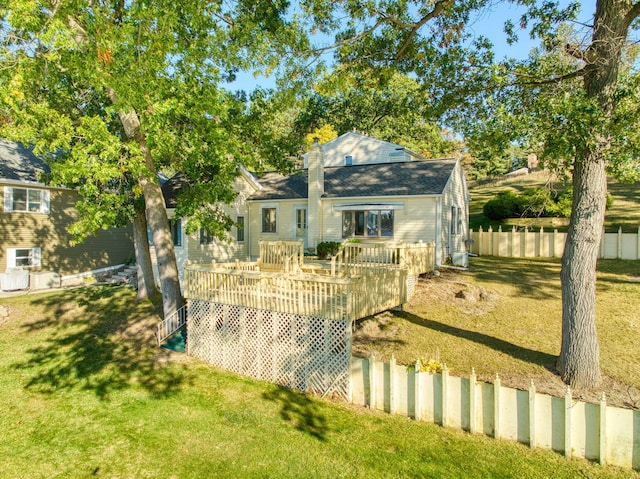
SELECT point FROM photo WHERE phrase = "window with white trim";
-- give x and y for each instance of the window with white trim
(240, 229)
(23, 257)
(206, 237)
(456, 220)
(269, 220)
(367, 223)
(28, 200)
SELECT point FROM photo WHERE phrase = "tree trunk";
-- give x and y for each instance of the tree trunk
(156, 214)
(146, 281)
(579, 362)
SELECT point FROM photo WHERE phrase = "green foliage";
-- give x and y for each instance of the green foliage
(503, 205)
(531, 203)
(168, 65)
(327, 249)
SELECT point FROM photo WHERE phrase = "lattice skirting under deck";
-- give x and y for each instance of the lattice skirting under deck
(302, 352)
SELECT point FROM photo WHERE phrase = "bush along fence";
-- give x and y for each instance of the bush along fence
(548, 244)
(598, 432)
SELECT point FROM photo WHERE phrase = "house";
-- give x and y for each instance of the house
(352, 187)
(33, 227)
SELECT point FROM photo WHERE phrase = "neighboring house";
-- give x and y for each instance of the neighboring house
(34, 220)
(352, 187)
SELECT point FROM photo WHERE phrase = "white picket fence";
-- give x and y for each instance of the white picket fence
(548, 244)
(610, 435)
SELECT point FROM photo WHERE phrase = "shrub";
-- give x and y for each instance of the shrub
(503, 205)
(326, 249)
(533, 202)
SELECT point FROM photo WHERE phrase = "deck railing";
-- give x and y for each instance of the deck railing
(308, 294)
(281, 256)
(171, 324)
(354, 258)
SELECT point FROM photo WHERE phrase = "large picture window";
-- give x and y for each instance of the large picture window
(26, 200)
(368, 224)
(269, 220)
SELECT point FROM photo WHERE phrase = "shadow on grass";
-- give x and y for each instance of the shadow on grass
(300, 410)
(533, 277)
(97, 339)
(545, 360)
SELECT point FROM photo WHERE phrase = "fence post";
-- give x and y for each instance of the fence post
(472, 401)
(555, 240)
(512, 246)
(445, 395)
(392, 385)
(490, 233)
(619, 246)
(540, 242)
(417, 394)
(602, 242)
(532, 415)
(481, 236)
(496, 407)
(372, 383)
(638, 244)
(567, 423)
(603, 429)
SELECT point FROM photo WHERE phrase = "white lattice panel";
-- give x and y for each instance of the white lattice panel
(302, 352)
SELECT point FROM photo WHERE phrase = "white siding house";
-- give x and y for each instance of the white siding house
(352, 187)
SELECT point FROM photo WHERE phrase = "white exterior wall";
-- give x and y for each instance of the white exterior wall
(454, 195)
(362, 149)
(222, 251)
(285, 222)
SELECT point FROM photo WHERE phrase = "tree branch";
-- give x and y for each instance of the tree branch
(569, 76)
(633, 13)
(437, 10)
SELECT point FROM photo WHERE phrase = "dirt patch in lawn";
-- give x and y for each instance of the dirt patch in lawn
(457, 320)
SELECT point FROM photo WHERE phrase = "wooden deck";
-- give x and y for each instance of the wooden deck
(361, 280)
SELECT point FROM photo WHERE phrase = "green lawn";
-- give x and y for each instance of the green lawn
(624, 213)
(85, 393)
(516, 330)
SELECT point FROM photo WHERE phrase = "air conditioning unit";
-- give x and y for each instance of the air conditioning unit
(460, 259)
(14, 279)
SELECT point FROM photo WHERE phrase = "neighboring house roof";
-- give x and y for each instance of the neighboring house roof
(413, 178)
(18, 163)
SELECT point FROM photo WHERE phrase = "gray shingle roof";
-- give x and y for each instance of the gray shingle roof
(172, 187)
(18, 163)
(412, 178)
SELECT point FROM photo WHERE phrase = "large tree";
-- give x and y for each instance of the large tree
(431, 41)
(147, 75)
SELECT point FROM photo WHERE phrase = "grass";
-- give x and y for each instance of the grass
(85, 393)
(625, 212)
(515, 331)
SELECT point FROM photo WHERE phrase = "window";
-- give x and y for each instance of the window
(269, 224)
(240, 229)
(206, 237)
(23, 257)
(176, 231)
(301, 219)
(348, 160)
(26, 200)
(370, 224)
(456, 220)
